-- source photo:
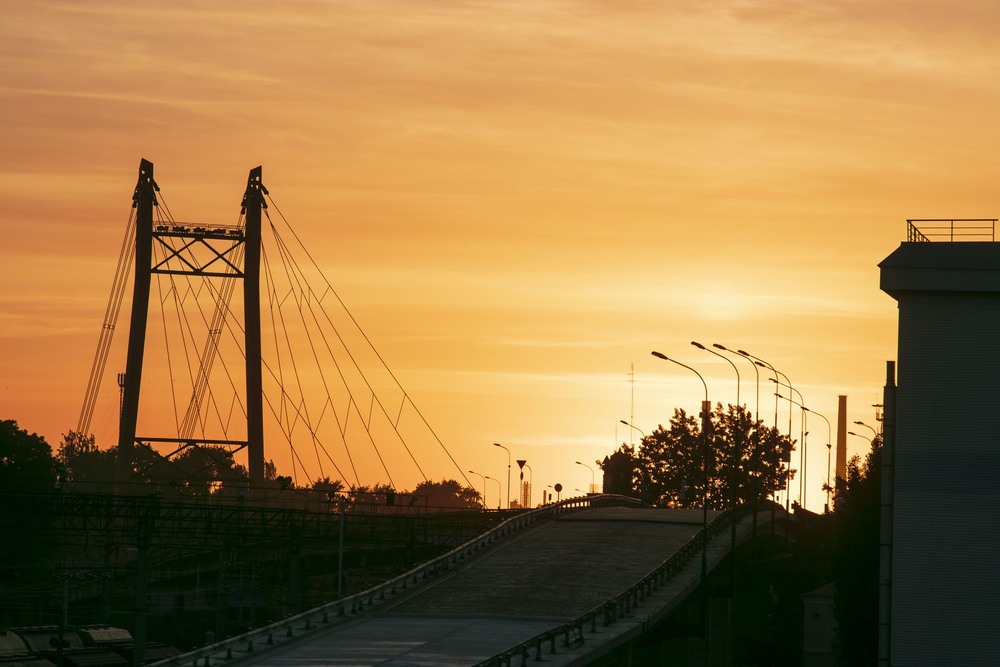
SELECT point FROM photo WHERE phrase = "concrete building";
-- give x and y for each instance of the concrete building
(941, 532)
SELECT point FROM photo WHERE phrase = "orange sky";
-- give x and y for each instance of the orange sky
(516, 200)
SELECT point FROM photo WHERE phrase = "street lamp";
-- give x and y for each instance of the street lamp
(734, 479)
(497, 444)
(757, 361)
(805, 448)
(755, 458)
(499, 489)
(591, 474)
(630, 425)
(829, 450)
(860, 423)
(660, 355)
(791, 389)
(523, 465)
(756, 372)
(727, 360)
(863, 437)
(484, 485)
(788, 383)
(706, 416)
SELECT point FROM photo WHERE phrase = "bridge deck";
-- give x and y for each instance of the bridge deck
(527, 584)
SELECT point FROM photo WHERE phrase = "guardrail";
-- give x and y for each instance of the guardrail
(275, 633)
(572, 632)
(958, 229)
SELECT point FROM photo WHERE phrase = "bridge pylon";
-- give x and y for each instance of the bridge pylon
(223, 253)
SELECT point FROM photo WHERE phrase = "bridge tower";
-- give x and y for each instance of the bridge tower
(940, 581)
(221, 248)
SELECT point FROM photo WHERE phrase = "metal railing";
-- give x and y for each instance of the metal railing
(572, 633)
(249, 643)
(958, 229)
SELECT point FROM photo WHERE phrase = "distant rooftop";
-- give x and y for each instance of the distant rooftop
(959, 229)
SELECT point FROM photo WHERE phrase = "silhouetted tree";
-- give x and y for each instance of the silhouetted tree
(448, 493)
(855, 559)
(27, 466)
(206, 469)
(744, 461)
(379, 494)
(26, 461)
(328, 486)
(85, 466)
(197, 470)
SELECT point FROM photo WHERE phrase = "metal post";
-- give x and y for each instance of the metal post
(888, 494)
(497, 444)
(340, 552)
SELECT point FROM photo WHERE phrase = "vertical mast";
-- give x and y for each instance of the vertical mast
(143, 201)
(253, 204)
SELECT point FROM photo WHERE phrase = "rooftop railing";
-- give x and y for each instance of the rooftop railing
(958, 229)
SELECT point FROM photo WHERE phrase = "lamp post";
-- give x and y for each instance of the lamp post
(591, 474)
(342, 507)
(802, 457)
(728, 361)
(706, 416)
(763, 364)
(499, 489)
(755, 458)
(863, 437)
(497, 444)
(523, 496)
(484, 485)
(737, 446)
(531, 481)
(757, 361)
(861, 423)
(756, 371)
(829, 450)
(631, 425)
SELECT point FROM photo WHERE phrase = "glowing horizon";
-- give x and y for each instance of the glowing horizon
(516, 200)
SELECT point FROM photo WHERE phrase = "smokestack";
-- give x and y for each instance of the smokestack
(841, 440)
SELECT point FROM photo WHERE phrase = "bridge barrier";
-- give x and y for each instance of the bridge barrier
(571, 633)
(275, 633)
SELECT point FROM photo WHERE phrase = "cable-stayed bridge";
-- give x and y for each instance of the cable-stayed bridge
(239, 345)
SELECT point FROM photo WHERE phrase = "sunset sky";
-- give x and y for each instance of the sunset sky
(517, 200)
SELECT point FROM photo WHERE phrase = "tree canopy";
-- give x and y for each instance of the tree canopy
(448, 493)
(855, 558)
(745, 461)
(194, 471)
(26, 461)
